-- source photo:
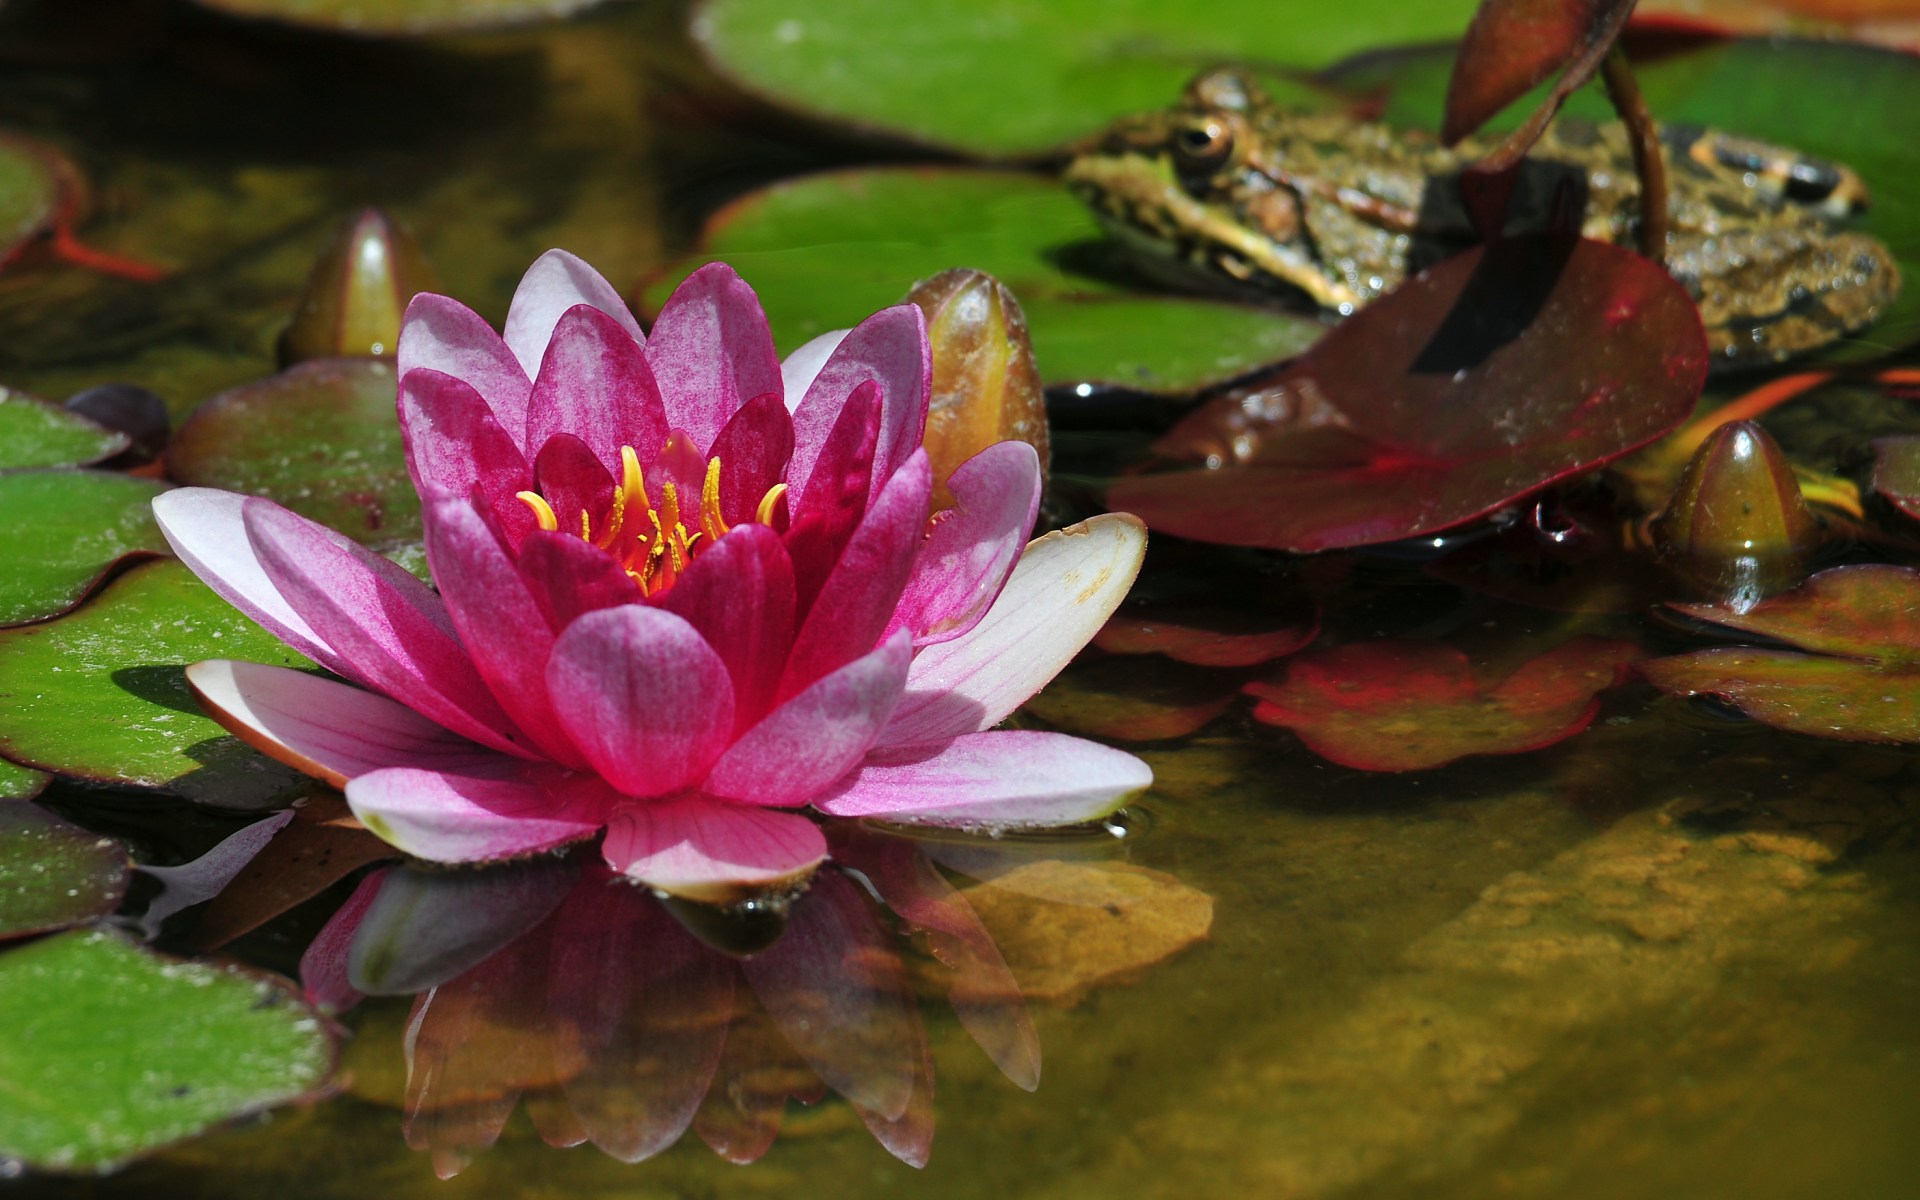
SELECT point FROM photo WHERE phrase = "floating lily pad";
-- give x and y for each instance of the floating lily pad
(54, 874)
(101, 693)
(109, 1051)
(1407, 706)
(34, 433)
(320, 437)
(1860, 680)
(1209, 636)
(1477, 381)
(825, 251)
(64, 531)
(403, 16)
(1012, 77)
(21, 783)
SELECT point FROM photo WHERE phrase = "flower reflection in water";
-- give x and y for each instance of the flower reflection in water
(597, 1002)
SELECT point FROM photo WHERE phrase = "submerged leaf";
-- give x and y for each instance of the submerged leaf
(1408, 706)
(1476, 382)
(1860, 680)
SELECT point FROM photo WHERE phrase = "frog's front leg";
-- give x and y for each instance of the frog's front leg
(1769, 294)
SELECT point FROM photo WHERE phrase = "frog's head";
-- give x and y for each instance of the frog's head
(1183, 190)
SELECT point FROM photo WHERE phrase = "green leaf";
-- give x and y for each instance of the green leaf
(1011, 77)
(321, 438)
(34, 433)
(64, 531)
(403, 16)
(29, 191)
(825, 251)
(21, 783)
(54, 874)
(108, 1051)
(101, 693)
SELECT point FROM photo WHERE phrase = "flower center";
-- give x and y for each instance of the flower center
(654, 543)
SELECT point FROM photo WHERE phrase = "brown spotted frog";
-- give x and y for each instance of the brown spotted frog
(1227, 190)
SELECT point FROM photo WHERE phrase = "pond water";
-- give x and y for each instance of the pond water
(1676, 954)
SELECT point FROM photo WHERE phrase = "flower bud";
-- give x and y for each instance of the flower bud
(360, 286)
(1737, 529)
(986, 388)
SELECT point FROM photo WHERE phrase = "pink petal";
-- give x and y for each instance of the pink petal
(323, 968)
(825, 515)
(837, 990)
(1004, 777)
(651, 1006)
(391, 631)
(479, 814)
(816, 737)
(890, 348)
(1061, 592)
(594, 383)
(858, 598)
(644, 697)
(753, 451)
(909, 1136)
(499, 621)
(568, 577)
(966, 559)
(574, 480)
(710, 850)
(330, 730)
(799, 369)
(739, 595)
(203, 878)
(207, 530)
(444, 335)
(454, 444)
(556, 282)
(711, 351)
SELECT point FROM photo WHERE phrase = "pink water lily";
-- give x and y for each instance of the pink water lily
(683, 589)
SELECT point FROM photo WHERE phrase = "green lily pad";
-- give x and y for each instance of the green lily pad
(825, 251)
(54, 874)
(321, 438)
(34, 433)
(108, 1051)
(101, 693)
(1834, 100)
(1012, 77)
(1408, 706)
(21, 783)
(1861, 679)
(64, 531)
(403, 16)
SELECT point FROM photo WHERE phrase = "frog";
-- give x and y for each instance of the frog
(1228, 191)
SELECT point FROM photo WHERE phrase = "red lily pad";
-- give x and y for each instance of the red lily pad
(1407, 706)
(319, 437)
(1513, 46)
(1476, 382)
(1859, 681)
(1896, 472)
(54, 874)
(396, 17)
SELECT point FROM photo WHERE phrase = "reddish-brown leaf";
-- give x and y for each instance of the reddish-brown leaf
(1407, 706)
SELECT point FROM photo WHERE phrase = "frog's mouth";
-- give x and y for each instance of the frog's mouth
(1190, 244)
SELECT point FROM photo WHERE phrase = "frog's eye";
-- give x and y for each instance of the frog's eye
(1203, 144)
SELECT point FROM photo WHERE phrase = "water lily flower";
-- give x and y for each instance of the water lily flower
(682, 590)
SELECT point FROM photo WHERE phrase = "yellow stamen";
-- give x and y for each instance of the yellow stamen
(768, 503)
(586, 526)
(711, 522)
(542, 511)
